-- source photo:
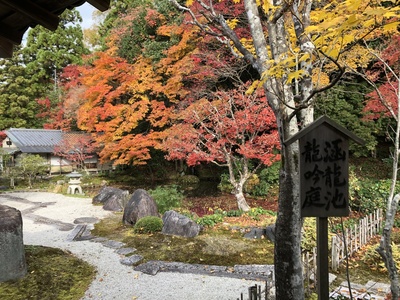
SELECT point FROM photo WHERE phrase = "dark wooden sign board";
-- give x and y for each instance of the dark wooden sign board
(324, 183)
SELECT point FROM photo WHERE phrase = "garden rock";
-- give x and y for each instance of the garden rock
(270, 232)
(113, 199)
(140, 205)
(12, 258)
(255, 233)
(180, 225)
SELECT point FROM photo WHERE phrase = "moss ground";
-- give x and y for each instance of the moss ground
(52, 274)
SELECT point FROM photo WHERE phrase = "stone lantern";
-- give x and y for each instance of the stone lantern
(74, 183)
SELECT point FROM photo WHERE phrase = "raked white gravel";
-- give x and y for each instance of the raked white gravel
(113, 280)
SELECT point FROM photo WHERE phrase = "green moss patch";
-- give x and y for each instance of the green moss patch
(52, 274)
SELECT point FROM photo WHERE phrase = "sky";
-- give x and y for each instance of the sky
(86, 11)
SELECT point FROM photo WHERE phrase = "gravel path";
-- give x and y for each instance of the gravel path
(48, 220)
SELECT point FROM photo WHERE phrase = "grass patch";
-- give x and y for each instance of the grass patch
(52, 274)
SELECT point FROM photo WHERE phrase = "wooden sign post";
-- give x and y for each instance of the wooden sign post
(324, 183)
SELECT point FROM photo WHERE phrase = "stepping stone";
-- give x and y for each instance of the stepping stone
(125, 251)
(131, 260)
(78, 230)
(377, 287)
(86, 220)
(113, 244)
(151, 267)
(99, 240)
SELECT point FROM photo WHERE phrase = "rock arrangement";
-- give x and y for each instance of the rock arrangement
(12, 258)
(140, 205)
(113, 199)
(177, 224)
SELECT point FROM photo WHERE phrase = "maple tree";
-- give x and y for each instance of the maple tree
(233, 130)
(293, 45)
(77, 148)
(62, 115)
(128, 102)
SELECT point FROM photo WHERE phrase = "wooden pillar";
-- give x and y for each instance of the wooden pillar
(322, 259)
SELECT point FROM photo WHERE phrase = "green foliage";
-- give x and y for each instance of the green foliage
(31, 165)
(224, 184)
(18, 107)
(336, 227)
(271, 173)
(210, 220)
(29, 74)
(267, 178)
(234, 213)
(367, 195)
(345, 104)
(260, 189)
(140, 26)
(256, 212)
(373, 259)
(149, 224)
(166, 197)
(309, 234)
(219, 215)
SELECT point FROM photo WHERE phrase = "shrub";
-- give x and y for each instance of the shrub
(166, 197)
(149, 224)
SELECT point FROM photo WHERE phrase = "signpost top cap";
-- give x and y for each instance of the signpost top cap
(324, 120)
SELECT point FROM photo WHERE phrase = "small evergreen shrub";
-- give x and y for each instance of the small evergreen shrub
(256, 212)
(367, 195)
(166, 197)
(149, 224)
(234, 213)
(210, 220)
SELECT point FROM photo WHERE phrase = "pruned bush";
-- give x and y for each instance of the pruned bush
(149, 224)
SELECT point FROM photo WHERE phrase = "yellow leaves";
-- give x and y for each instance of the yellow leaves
(347, 39)
(320, 78)
(266, 5)
(247, 43)
(358, 57)
(391, 26)
(232, 23)
(295, 75)
(353, 4)
(255, 85)
(189, 3)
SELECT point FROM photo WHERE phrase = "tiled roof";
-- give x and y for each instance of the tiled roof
(35, 140)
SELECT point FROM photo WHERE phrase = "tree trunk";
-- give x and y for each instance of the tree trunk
(385, 245)
(288, 264)
(241, 201)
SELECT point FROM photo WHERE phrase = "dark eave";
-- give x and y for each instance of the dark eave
(16, 16)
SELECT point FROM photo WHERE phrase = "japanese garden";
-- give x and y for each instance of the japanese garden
(208, 113)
